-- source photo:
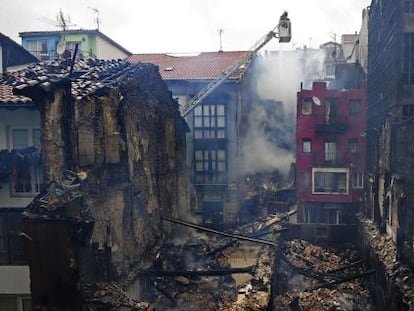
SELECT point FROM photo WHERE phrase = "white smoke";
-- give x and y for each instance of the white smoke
(269, 142)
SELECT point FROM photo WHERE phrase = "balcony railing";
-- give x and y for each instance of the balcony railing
(338, 159)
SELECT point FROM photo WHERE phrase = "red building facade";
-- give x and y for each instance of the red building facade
(330, 153)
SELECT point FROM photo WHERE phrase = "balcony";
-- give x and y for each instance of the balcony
(331, 127)
(336, 159)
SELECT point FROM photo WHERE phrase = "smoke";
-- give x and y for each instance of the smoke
(269, 142)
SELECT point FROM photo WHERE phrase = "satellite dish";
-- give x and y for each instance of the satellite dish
(61, 47)
(316, 101)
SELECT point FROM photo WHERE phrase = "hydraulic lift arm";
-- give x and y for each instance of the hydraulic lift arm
(281, 31)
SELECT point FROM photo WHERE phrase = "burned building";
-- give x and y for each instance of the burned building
(117, 124)
(213, 143)
(390, 121)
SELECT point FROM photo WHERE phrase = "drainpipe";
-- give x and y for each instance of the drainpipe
(1, 59)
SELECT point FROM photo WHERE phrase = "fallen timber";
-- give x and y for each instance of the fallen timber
(346, 279)
(212, 272)
(230, 235)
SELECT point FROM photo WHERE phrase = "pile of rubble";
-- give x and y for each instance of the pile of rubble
(198, 273)
(110, 296)
(384, 248)
(312, 277)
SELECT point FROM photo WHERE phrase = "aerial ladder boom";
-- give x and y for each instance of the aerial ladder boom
(282, 31)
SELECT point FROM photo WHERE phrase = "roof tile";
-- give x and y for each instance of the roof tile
(204, 66)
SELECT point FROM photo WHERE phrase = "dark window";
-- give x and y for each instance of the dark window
(330, 150)
(11, 244)
(353, 145)
(409, 6)
(307, 106)
(357, 180)
(26, 170)
(320, 215)
(408, 110)
(331, 108)
(210, 166)
(330, 182)
(408, 58)
(354, 106)
(306, 145)
(209, 122)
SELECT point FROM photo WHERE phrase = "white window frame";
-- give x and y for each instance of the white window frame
(331, 170)
(357, 180)
(306, 145)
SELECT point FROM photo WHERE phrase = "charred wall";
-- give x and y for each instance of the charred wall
(130, 140)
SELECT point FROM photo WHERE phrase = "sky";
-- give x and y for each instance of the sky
(189, 26)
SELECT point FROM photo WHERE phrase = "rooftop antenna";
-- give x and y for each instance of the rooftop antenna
(62, 20)
(333, 36)
(220, 32)
(96, 20)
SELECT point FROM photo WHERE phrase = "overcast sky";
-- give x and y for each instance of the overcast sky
(181, 26)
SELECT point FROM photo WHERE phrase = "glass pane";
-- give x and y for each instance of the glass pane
(199, 155)
(221, 121)
(198, 111)
(220, 110)
(221, 166)
(206, 111)
(198, 134)
(221, 155)
(198, 122)
(206, 121)
(20, 138)
(36, 139)
(199, 166)
(221, 134)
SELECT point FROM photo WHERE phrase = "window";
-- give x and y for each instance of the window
(306, 145)
(330, 181)
(408, 110)
(307, 106)
(11, 244)
(330, 69)
(354, 107)
(357, 180)
(319, 215)
(209, 122)
(408, 59)
(331, 107)
(330, 151)
(25, 163)
(353, 145)
(409, 7)
(71, 46)
(38, 48)
(210, 166)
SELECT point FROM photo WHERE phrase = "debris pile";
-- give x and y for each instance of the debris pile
(312, 277)
(105, 296)
(398, 273)
(200, 271)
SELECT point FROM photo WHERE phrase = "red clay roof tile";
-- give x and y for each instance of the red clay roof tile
(204, 66)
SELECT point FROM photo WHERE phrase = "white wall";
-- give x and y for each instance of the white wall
(14, 280)
(105, 50)
(23, 118)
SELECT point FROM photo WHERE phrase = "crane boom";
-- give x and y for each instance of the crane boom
(283, 34)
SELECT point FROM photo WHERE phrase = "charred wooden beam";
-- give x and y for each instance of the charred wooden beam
(230, 235)
(351, 265)
(346, 279)
(211, 272)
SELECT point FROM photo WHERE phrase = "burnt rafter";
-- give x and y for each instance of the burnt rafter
(230, 235)
(210, 272)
